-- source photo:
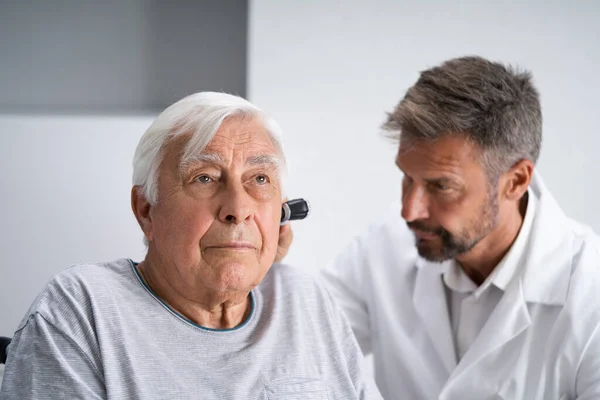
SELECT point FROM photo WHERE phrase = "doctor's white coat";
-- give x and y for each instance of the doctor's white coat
(541, 342)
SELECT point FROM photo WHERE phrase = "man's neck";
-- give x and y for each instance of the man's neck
(481, 261)
(203, 307)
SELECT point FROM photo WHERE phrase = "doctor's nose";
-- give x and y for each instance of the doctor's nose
(415, 205)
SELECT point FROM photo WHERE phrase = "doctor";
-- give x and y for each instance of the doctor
(485, 289)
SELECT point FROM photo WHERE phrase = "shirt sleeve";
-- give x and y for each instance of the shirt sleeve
(44, 363)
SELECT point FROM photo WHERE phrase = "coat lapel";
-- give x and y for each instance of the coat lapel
(429, 299)
(509, 319)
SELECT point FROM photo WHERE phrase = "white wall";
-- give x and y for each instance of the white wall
(65, 184)
(329, 70)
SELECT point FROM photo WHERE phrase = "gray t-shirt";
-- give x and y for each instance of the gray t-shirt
(98, 332)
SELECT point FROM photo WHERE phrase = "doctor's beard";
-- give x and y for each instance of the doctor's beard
(449, 245)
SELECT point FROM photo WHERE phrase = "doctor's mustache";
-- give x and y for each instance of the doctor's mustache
(422, 227)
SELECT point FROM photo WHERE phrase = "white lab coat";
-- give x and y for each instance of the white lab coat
(541, 342)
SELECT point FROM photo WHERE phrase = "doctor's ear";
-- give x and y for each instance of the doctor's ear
(517, 179)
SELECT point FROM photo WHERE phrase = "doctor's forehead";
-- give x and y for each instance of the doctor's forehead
(450, 151)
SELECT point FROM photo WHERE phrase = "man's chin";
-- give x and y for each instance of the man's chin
(236, 273)
(431, 252)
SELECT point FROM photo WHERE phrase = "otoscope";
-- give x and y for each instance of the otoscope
(294, 209)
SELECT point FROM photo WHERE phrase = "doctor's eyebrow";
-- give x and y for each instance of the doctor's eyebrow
(442, 181)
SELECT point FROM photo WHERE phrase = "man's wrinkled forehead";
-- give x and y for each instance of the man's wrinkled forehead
(240, 137)
(236, 131)
(244, 145)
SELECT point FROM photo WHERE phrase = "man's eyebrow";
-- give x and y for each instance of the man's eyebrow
(217, 159)
(442, 180)
(264, 159)
(202, 158)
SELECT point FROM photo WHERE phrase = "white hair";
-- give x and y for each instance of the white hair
(200, 115)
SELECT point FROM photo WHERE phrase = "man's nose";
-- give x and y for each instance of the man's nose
(238, 206)
(415, 203)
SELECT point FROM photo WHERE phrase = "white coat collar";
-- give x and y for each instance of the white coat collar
(546, 269)
(458, 281)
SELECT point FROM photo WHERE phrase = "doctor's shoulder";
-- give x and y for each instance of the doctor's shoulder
(585, 249)
(584, 283)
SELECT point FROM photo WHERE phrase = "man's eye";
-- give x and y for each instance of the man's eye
(204, 179)
(261, 179)
(441, 187)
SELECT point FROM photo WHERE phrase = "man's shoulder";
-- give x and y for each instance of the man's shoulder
(291, 279)
(585, 249)
(299, 294)
(295, 286)
(89, 278)
(586, 257)
(92, 271)
(74, 289)
(582, 282)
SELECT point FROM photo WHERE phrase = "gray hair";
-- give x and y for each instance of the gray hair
(495, 106)
(199, 115)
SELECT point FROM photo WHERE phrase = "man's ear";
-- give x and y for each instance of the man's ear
(518, 179)
(141, 209)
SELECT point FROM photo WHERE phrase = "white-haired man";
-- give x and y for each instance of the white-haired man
(205, 314)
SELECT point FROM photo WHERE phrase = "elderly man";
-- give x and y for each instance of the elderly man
(486, 289)
(205, 315)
